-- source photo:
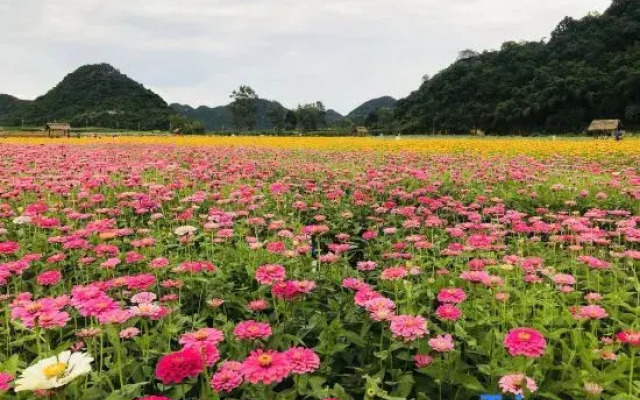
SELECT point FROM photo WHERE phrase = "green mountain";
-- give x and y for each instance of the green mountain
(94, 95)
(360, 113)
(332, 117)
(10, 105)
(588, 69)
(220, 118)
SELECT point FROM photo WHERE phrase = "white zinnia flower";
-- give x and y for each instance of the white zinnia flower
(185, 230)
(54, 372)
(22, 219)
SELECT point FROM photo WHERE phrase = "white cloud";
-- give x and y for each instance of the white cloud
(342, 52)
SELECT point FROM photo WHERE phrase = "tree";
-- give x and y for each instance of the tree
(385, 118)
(465, 54)
(276, 115)
(290, 120)
(184, 125)
(243, 108)
(311, 116)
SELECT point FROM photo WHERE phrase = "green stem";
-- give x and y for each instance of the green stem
(119, 361)
(633, 357)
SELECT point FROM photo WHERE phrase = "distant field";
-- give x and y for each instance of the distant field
(441, 144)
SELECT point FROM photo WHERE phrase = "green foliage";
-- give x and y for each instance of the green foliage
(311, 116)
(290, 120)
(276, 115)
(183, 125)
(589, 69)
(243, 108)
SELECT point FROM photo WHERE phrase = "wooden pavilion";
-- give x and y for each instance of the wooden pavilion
(63, 127)
(604, 127)
(360, 131)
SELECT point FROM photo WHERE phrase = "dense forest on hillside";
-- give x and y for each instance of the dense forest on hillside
(588, 69)
(93, 95)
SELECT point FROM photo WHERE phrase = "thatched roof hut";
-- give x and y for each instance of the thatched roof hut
(63, 127)
(605, 126)
(360, 131)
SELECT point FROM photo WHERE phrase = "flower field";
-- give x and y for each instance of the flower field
(309, 268)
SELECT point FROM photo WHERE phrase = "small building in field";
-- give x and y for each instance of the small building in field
(57, 128)
(360, 131)
(604, 127)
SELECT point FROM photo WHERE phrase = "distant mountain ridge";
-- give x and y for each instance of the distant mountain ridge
(220, 118)
(361, 112)
(92, 95)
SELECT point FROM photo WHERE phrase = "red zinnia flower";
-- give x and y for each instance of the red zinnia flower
(630, 337)
(176, 366)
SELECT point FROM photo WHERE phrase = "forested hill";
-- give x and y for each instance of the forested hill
(93, 95)
(10, 105)
(360, 113)
(588, 69)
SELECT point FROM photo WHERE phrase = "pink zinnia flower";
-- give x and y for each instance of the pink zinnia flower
(49, 278)
(179, 365)
(252, 330)
(442, 343)
(266, 367)
(514, 384)
(143, 297)
(564, 279)
(366, 265)
(208, 351)
(258, 305)
(393, 274)
(226, 379)
(129, 333)
(158, 263)
(525, 342)
(354, 284)
(5, 380)
(452, 295)
(110, 263)
(211, 335)
(270, 274)
(591, 312)
(9, 247)
(629, 336)
(52, 319)
(364, 295)
(422, 360)
(448, 312)
(302, 360)
(409, 327)
(381, 308)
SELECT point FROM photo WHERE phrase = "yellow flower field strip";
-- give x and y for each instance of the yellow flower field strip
(529, 146)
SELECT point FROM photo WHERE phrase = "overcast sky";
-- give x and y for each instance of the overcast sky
(342, 52)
